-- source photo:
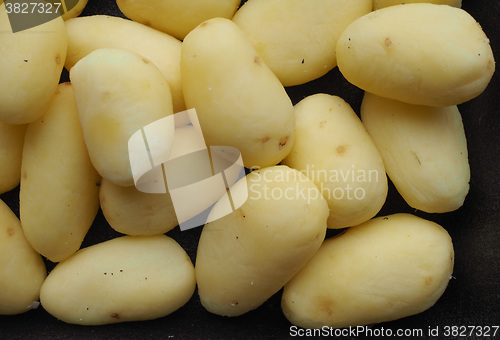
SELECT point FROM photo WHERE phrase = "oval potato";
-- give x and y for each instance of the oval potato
(31, 62)
(423, 54)
(424, 151)
(247, 256)
(334, 150)
(117, 92)
(130, 278)
(11, 154)
(174, 17)
(378, 4)
(59, 195)
(85, 34)
(21, 268)
(132, 212)
(239, 101)
(297, 38)
(382, 270)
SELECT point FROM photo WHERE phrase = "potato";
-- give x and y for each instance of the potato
(11, 152)
(76, 10)
(130, 278)
(385, 269)
(131, 212)
(297, 38)
(239, 101)
(59, 195)
(174, 17)
(378, 4)
(334, 150)
(247, 256)
(21, 268)
(31, 62)
(86, 34)
(117, 92)
(424, 151)
(423, 54)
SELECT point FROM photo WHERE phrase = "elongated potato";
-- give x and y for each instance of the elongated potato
(247, 256)
(424, 151)
(132, 212)
(117, 92)
(76, 10)
(59, 195)
(174, 17)
(297, 38)
(86, 34)
(130, 278)
(11, 154)
(378, 4)
(423, 54)
(385, 269)
(31, 62)
(239, 101)
(333, 149)
(21, 268)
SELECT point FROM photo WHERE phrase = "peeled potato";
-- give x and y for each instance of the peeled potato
(382, 270)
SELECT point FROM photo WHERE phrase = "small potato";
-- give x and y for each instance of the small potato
(59, 195)
(22, 270)
(424, 151)
(31, 62)
(117, 92)
(130, 278)
(239, 101)
(423, 54)
(382, 270)
(175, 17)
(378, 4)
(334, 150)
(131, 212)
(297, 38)
(76, 10)
(11, 154)
(247, 256)
(86, 34)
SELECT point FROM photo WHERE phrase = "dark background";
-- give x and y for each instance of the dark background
(471, 299)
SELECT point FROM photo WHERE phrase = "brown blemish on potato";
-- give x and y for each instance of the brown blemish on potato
(234, 303)
(283, 142)
(58, 59)
(428, 281)
(145, 61)
(203, 24)
(322, 123)
(325, 305)
(388, 42)
(414, 154)
(341, 149)
(256, 60)
(11, 231)
(265, 139)
(490, 65)
(25, 175)
(115, 316)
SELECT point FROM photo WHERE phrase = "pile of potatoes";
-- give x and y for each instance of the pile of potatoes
(311, 167)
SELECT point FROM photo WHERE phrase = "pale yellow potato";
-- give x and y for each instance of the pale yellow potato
(334, 150)
(86, 34)
(75, 11)
(239, 101)
(117, 92)
(11, 152)
(297, 38)
(424, 151)
(130, 278)
(59, 195)
(385, 269)
(175, 17)
(132, 212)
(21, 268)
(378, 4)
(31, 62)
(247, 256)
(423, 54)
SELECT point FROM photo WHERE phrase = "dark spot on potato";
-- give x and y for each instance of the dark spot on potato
(234, 303)
(265, 139)
(145, 61)
(490, 65)
(322, 123)
(341, 149)
(428, 281)
(325, 305)
(58, 59)
(303, 61)
(283, 142)
(98, 183)
(115, 315)
(237, 237)
(388, 42)
(11, 231)
(25, 60)
(146, 278)
(203, 24)
(256, 60)
(414, 154)
(385, 218)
